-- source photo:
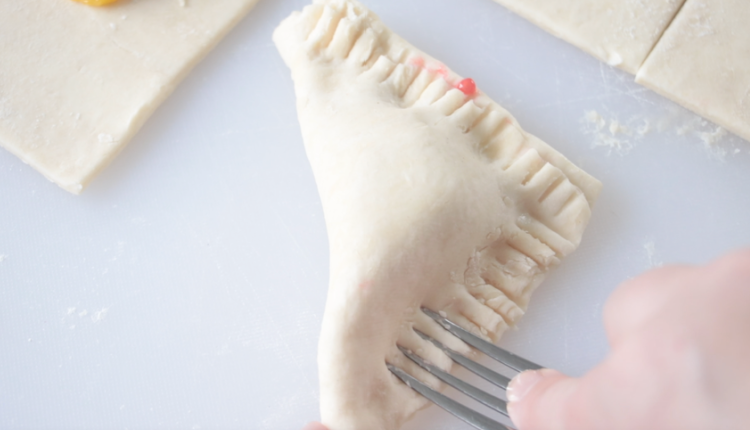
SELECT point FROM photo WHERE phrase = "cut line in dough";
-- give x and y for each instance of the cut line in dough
(703, 62)
(620, 33)
(691, 51)
(77, 82)
(431, 197)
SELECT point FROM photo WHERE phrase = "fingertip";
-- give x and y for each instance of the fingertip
(523, 383)
(314, 426)
(525, 391)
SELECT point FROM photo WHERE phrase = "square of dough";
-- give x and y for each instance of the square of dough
(618, 32)
(77, 82)
(703, 62)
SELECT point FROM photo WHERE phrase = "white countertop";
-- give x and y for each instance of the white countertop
(185, 287)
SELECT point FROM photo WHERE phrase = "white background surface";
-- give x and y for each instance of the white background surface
(185, 287)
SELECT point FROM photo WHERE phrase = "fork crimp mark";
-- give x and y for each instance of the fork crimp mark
(466, 414)
(462, 412)
(483, 372)
(508, 359)
(487, 399)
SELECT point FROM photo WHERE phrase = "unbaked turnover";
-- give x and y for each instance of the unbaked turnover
(433, 196)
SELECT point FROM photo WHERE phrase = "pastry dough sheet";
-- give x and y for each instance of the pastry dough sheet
(77, 82)
(618, 32)
(703, 62)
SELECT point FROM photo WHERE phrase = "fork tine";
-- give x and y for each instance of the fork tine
(476, 368)
(468, 415)
(475, 393)
(507, 358)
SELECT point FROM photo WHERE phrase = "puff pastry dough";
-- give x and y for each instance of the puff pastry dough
(618, 32)
(703, 62)
(431, 197)
(76, 82)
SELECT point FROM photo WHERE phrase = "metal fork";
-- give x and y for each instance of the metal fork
(470, 416)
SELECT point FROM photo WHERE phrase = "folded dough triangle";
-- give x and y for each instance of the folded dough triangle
(432, 197)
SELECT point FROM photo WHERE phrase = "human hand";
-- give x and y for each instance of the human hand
(679, 359)
(315, 426)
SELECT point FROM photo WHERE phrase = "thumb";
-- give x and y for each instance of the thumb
(539, 399)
